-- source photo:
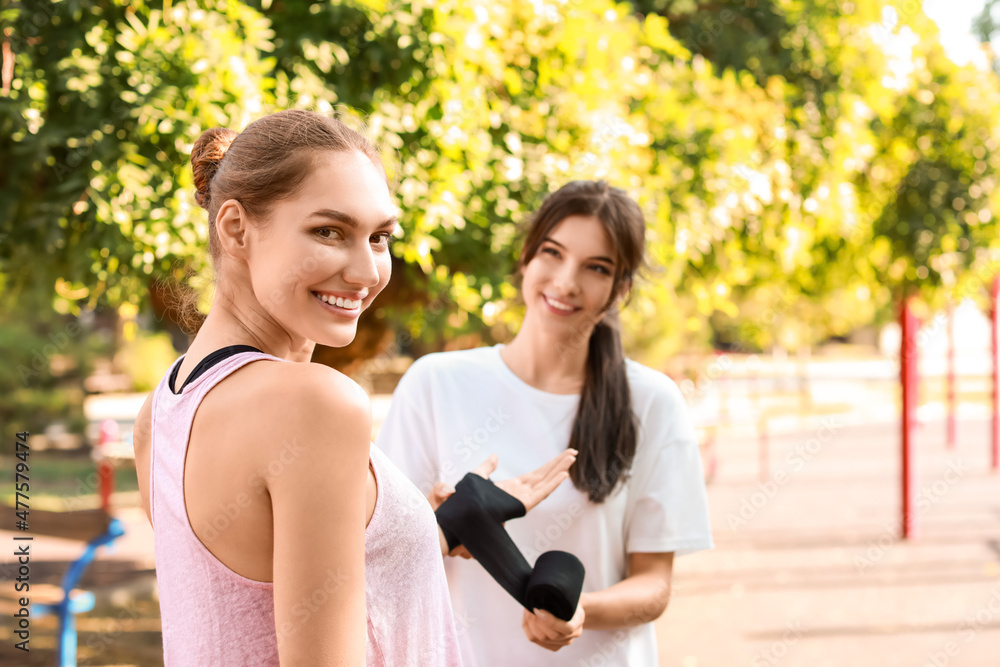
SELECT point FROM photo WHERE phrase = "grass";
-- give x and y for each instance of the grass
(55, 476)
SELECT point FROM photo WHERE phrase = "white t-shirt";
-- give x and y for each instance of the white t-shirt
(452, 410)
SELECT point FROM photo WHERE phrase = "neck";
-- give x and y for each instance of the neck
(236, 318)
(556, 363)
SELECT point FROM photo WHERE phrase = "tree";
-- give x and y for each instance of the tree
(798, 160)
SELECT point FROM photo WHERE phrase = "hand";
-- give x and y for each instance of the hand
(530, 488)
(440, 493)
(533, 487)
(549, 632)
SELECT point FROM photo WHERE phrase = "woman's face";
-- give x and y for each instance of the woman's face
(323, 255)
(567, 284)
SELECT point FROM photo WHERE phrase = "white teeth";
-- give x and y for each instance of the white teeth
(349, 304)
(558, 306)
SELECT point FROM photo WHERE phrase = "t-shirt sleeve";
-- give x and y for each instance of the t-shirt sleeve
(407, 436)
(667, 503)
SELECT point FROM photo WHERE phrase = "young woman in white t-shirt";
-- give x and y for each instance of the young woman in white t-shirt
(638, 494)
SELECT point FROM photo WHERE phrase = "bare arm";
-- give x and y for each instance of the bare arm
(639, 598)
(141, 446)
(318, 501)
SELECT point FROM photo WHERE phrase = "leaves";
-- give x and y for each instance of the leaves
(800, 162)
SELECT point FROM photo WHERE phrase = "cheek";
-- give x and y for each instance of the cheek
(605, 293)
(532, 274)
(384, 265)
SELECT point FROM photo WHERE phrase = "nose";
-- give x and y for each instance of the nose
(565, 279)
(362, 270)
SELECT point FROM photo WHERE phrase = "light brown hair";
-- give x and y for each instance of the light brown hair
(266, 162)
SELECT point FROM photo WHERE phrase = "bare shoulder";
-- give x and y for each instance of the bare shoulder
(309, 404)
(297, 387)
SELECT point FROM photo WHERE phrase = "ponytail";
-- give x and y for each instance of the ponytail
(605, 429)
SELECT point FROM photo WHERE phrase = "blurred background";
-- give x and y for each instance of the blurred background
(807, 167)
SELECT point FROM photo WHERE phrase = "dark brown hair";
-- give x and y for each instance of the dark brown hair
(605, 430)
(266, 162)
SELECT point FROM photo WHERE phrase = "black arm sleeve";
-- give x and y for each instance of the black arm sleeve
(474, 516)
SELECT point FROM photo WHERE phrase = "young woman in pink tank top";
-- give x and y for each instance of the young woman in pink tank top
(281, 535)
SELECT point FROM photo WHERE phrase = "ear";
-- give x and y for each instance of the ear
(231, 226)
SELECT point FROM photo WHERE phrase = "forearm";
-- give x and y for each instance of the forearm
(638, 599)
(443, 542)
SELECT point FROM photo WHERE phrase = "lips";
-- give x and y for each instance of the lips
(339, 301)
(558, 306)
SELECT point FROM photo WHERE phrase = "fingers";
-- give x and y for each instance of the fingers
(559, 463)
(486, 468)
(461, 552)
(549, 485)
(439, 493)
(549, 632)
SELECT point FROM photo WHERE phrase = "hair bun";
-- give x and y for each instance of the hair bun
(206, 155)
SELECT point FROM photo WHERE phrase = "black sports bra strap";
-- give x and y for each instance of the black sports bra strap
(210, 360)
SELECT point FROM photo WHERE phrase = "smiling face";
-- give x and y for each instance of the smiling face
(567, 284)
(322, 256)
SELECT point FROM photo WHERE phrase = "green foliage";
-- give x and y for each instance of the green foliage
(45, 358)
(801, 162)
(145, 359)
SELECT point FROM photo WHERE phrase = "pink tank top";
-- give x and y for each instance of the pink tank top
(211, 615)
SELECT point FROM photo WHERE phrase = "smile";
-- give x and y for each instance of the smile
(558, 306)
(339, 301)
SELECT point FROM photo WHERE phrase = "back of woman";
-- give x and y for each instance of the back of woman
(210, 614)
(280, 535)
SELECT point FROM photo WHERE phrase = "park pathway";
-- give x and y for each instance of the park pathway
(808, 570)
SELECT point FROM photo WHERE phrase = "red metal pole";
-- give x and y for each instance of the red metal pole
(908, 376)
(952, 424)
(994, 334)
(105, 469)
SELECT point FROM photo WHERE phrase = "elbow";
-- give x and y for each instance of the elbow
(661, 606)
(651, 609)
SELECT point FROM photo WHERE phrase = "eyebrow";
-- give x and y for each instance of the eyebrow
(350, 220)
(602, 258)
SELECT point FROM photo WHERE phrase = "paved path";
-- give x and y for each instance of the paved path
(809, 571)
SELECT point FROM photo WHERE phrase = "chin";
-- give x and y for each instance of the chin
(339, 339)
